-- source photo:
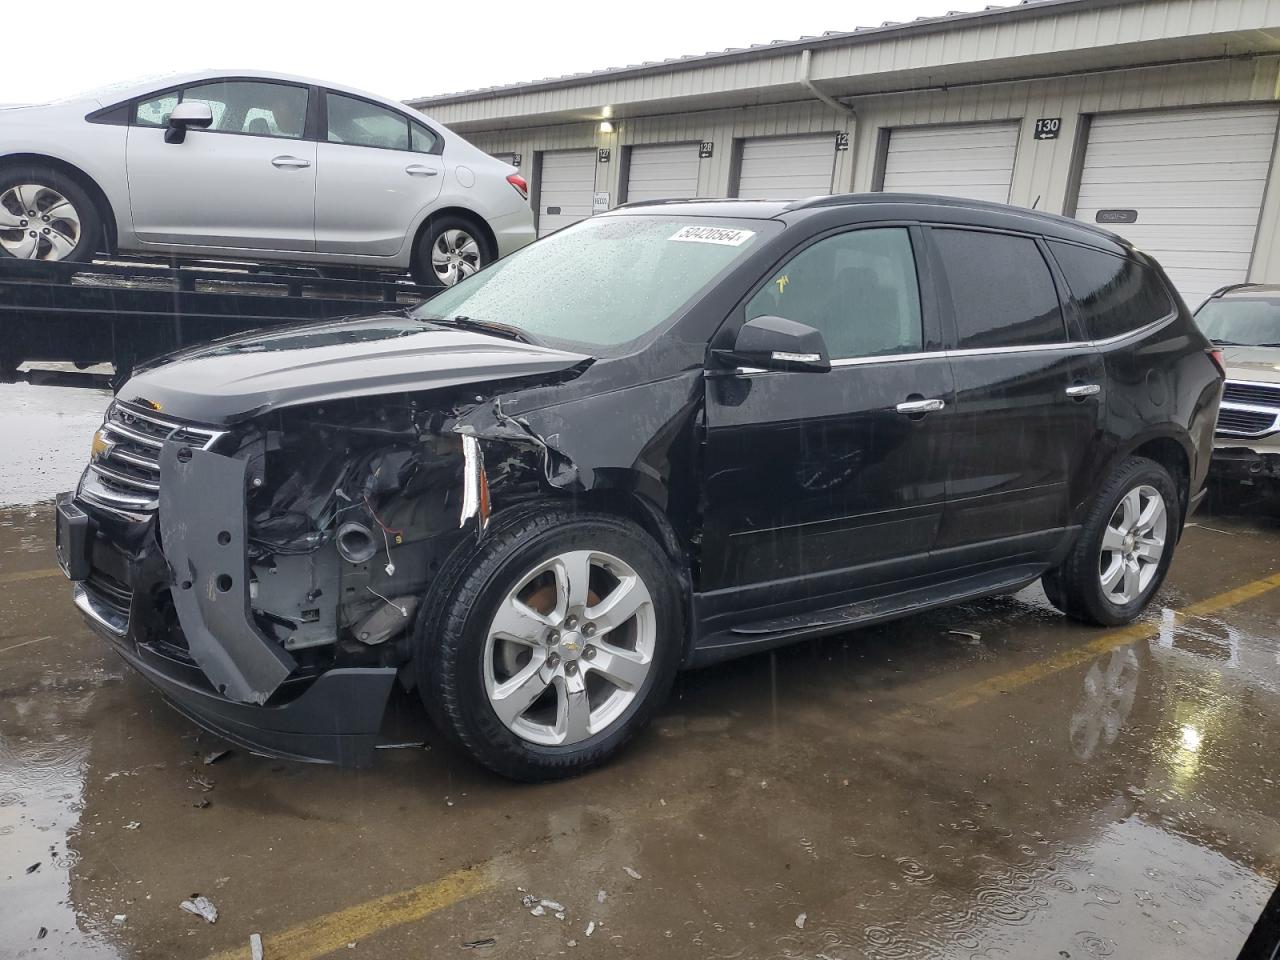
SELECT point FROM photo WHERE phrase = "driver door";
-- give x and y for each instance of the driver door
(818, 483)
(247, 181)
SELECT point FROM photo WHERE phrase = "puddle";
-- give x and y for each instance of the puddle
(47, 431)
(43, 766)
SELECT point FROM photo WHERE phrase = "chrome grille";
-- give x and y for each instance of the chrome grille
(125, 476)
(1252, 394)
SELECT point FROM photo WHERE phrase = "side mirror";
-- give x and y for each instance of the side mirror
(187, 115)
(776, 343)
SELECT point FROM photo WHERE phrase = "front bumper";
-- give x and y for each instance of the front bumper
(1244, 464)
(335, 720)
(118, 572)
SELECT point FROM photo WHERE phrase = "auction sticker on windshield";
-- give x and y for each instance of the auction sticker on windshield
(726, 236)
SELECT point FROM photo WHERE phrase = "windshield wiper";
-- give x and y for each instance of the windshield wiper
(1226, 343)
(483, 326)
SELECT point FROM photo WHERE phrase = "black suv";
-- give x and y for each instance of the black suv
(666, 436)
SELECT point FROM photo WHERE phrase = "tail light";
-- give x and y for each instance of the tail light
(521, 185)
(1216, 356)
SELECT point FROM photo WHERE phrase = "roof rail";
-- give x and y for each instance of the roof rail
(1229, 287)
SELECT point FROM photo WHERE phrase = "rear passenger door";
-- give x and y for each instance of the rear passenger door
(377, 171)
(1028, 393)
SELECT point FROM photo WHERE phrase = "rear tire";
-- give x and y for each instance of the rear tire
(451, 248)
(46, 215)
(525, 615)
(1124, 548)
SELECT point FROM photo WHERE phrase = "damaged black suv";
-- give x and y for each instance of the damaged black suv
(666, 436)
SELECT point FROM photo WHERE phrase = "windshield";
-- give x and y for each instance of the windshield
(1239, 322)
(602, 283)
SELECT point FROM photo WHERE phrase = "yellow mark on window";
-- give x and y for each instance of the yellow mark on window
(782, 282)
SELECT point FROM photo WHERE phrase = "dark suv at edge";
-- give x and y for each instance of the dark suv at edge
(672, 434)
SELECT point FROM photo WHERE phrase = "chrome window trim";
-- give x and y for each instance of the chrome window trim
(1151, 327)
(987, 351)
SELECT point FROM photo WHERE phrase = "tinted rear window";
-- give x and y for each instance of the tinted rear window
(1001, 289)
(1112, 294)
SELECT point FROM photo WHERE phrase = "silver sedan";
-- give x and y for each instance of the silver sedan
(254, 167)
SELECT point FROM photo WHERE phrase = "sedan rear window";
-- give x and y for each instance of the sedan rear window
(601, 283)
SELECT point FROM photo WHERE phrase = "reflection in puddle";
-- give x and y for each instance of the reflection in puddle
(1105, 704)
(43, 762)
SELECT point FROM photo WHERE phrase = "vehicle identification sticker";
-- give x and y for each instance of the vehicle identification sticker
(725, 236)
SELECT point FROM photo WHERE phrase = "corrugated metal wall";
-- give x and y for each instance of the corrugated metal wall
(1015, 34)
(1045, 171)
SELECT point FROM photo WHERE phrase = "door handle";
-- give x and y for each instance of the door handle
(1079, 390)
(920, 406)
(285, 162)
(418, 170)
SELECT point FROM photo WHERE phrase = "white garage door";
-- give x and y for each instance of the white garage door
(972, 160)
(665, 172)
(786, 168)
(1194, 179)
(565, 186)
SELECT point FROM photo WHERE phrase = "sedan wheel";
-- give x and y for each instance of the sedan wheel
(38, 223)
(1133, 545)
(455, 255)
(569, 648)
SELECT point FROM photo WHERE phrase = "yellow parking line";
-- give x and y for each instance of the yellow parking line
(334, 931)
(22, 575)
(1021, 677)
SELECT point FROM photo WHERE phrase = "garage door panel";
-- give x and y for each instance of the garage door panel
(1157, 174)
(974, 161)
(786, 168)
(1196, 180)
(662, 172)
(1202, 217)
(1228, 194)
(1184, 154)
(1126, 129)
(566, 181)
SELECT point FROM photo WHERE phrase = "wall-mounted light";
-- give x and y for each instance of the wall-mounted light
(606, 126)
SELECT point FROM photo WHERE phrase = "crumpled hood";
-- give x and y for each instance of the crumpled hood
(1261, 364)
(229, 379)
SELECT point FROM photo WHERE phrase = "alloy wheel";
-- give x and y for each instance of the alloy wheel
(569, 648)
(1133, 545)
(455, 256)
(37, 223)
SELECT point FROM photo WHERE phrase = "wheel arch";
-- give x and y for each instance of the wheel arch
(90, 185)
(1171, 452)
(455, 211)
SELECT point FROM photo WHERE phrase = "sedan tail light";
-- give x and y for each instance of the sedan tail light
(521, 185)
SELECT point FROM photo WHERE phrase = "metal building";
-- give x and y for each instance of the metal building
(1157, 118)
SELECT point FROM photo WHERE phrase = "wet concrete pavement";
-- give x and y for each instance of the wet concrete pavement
(1041, 790)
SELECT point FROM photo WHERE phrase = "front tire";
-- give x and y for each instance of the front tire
(1124, 548)
(46, 215)
(557, 638)
(450, 249)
